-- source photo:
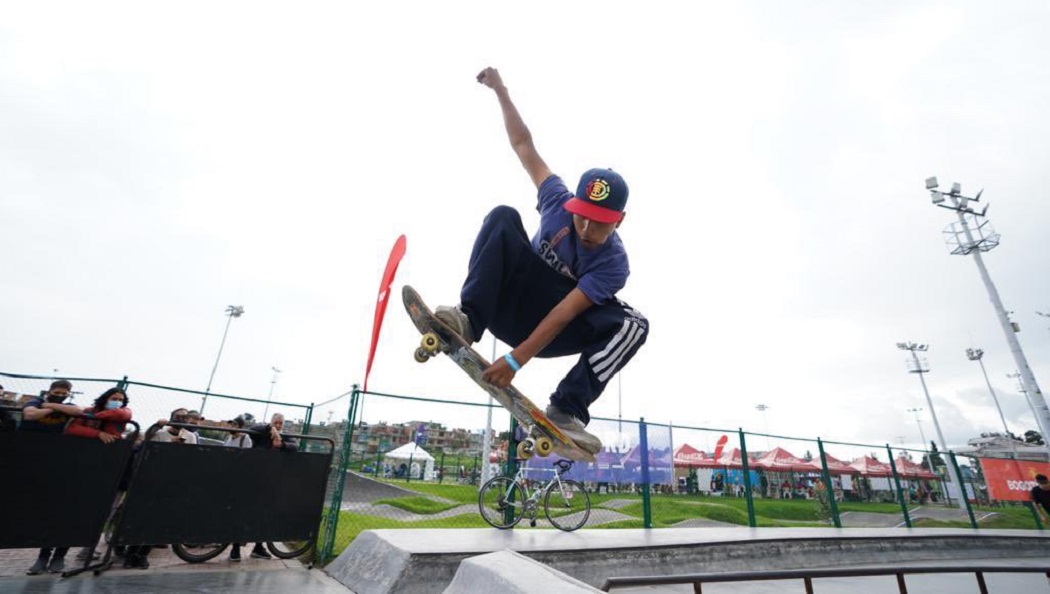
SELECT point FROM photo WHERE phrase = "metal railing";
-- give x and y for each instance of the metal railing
(808, 575)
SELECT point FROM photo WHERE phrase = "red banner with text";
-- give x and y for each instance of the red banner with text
(1011, 480)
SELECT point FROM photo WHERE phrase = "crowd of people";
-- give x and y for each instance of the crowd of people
(107, 420)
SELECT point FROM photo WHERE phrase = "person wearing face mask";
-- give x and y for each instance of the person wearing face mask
(47, 413)
(105, 419)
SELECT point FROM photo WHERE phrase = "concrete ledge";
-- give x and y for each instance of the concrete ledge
(381, 561)
(511, 573)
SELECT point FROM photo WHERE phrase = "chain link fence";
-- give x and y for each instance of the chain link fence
(413, 462)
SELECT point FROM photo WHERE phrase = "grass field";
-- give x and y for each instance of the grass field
(667, 511)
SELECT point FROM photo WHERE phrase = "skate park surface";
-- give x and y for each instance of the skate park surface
(480, 560)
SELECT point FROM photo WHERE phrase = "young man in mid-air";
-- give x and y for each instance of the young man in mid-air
(556, 294)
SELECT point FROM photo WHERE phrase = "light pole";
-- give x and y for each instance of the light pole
(978, 355)
(917, 366)
(273, 383)
(762, 408)
(981, 238)
(1024, 392)
(918, 422)
(232, 311)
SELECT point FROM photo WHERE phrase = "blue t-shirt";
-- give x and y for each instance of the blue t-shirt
(52, 423)
(600, 273)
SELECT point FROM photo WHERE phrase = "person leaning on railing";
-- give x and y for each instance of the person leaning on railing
(268, 437)
(105, 419)
(47, 414)
(238, 439)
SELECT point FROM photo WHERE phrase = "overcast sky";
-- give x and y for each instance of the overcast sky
(160, 162)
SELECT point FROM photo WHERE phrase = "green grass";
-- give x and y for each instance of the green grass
(417, 505)
(351, 525)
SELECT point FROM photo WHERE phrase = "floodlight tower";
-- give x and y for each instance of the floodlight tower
(972, 235)
(232, 311)
(919, 366)
(978, 355)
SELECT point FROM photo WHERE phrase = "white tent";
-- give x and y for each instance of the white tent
(413, 458)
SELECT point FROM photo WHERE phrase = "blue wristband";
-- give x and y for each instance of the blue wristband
(509, 358)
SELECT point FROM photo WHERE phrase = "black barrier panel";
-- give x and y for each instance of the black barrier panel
(57, 490)
(192, 494)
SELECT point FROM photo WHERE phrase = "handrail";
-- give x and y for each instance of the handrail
(809, 574)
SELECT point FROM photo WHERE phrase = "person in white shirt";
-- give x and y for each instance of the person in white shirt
(175, 434)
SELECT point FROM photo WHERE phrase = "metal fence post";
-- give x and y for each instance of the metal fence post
(962, 490)
(900, 492)
(1035, 515)
(309, 419)
(123, 384)
(643, 456)
(746, 468)
(332, 523)
(827, 481)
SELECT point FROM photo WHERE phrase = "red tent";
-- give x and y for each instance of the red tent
(657, 457)
(687, 455)
(781, 460)
(731, 459)
(868, 466)
(909, 469)
(835, 466)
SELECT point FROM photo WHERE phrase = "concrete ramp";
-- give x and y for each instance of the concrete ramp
(380, 561)
(508, 572)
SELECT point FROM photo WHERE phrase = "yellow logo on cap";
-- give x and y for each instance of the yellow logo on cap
(598, 190)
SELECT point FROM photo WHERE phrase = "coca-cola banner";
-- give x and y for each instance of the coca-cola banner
(1011, 480)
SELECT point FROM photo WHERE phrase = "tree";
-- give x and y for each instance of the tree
(1033, 437)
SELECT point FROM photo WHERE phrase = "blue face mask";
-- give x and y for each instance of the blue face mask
(111, 404)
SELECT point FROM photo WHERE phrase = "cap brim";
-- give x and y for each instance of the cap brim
(590, 211)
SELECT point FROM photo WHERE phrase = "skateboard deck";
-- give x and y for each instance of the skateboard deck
(438, 337)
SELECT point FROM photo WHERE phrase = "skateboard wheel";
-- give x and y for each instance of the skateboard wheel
(544, 446)
(524, 450)
(430, 343)
(421, 355)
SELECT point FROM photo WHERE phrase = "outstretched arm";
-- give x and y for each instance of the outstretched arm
(518, 134)
(500, 373)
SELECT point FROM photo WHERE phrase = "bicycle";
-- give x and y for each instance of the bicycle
(199, 553)
(504, 501)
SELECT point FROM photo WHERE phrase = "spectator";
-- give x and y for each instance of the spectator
(7, 420)
(238, 439)
(269, 437)
(48, 414)
(105, 419)
(175, 434)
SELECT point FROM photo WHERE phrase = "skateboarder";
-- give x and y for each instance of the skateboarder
(556, 294)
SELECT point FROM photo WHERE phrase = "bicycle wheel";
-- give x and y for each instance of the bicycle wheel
(289, 549)
(198, 553)
(501, 502)
(567, 505)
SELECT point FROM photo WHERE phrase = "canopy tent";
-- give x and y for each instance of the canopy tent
(731, 459)
(687, 455)
(780, 460)
(908, 469)
(411, 454)
(835, 466)
(868, 466)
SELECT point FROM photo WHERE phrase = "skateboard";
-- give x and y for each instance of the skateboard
(544, 437)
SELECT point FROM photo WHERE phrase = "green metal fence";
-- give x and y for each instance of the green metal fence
(649, 475)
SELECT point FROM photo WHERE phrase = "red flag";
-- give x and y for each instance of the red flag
(719, 445)
(384, 295)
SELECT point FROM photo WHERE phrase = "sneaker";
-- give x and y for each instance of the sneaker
(39, 567)
(574, 428)
(57, 565)
(142, 563)
(260, 553)
(457, 320)
(235, 555)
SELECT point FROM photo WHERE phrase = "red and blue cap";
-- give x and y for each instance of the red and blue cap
(601, 196)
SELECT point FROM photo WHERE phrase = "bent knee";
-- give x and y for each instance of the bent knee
(501, 214)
